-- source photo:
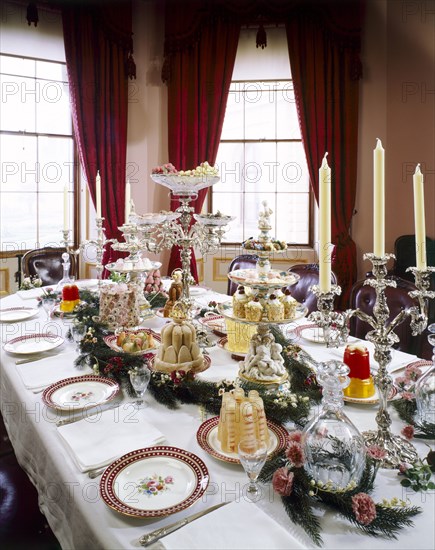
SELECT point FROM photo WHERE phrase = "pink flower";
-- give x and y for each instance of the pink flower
(376, 452)
(407, 395)
(401, 382)
(403, 468)
(169, 479)
(282, 482)
(297, 436)
(412, 373)
(295, 454)
(364, 508)
(408, 432)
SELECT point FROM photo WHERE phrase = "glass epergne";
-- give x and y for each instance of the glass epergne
(333, 446)
(140, 378)
(252, 455)
(425, 389)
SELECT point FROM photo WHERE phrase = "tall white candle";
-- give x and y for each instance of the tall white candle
(127, 200)
(98, 194)
(325, 226)
(379, 200)
(65, 208)
(419, 220)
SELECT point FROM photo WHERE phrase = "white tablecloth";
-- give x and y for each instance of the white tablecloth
(71, 500)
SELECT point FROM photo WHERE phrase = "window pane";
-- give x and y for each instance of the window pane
(293, 170)
(233, 123)
(17, 66)
(292, 219)
(18, 163)
(260, 112)
(17, 106)
(51, 71)
(286, 115)
(50, 218)
(230, 162)
(252, 208)
(230, 204)
(260, 167)
(18, 221)
(56, 163)
(52, 104)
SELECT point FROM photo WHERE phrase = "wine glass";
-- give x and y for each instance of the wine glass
(78, 331)
(252, 455)
(140, 378)
(48, 304)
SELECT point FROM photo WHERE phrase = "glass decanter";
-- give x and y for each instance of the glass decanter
(425, 388)
(333, 446)
(66, 278)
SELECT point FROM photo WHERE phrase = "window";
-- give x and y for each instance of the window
(37, 153)
(261, 155)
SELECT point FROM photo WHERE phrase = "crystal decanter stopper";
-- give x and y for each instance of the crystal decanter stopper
(66, 278)
(334, 448)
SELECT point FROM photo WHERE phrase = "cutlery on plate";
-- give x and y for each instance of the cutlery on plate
(154, 536)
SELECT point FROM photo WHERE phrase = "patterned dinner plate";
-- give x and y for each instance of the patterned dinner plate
(207, 440)
(154, 482)
(223, 343)
(80, 393)
(112, 338)
(213, 322)
(14, 314)
(33, 343)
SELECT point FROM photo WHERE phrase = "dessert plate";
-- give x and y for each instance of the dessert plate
(312, 334)
(154, 482)
(216, 323)
(206, 437)
(80, 393)
(223, 343)
(14, 314)
(112, 338)
(33, 343)
(198, 290)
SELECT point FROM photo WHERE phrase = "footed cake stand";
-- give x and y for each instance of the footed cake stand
(263, 363)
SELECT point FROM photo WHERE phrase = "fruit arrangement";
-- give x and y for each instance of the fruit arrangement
(272, 245)
(134, 342)
(70, 298)
(204, 169)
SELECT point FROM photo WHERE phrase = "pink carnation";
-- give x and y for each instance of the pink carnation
(296, 436)
(295, 454)
(408, 432)
(412, 373)
(376, 452)
(282, 482)
(407, 395)
(364, 508)
(401, 382)
(403, 468)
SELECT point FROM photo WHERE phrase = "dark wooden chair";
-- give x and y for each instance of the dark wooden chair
(309, 276)
(244, 261)
(363, 297)
(46, 263)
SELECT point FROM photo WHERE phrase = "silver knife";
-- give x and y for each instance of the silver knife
(154, 536)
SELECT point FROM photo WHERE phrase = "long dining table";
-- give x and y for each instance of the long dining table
(72, 501)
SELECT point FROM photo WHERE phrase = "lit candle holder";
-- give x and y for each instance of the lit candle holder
(419, 220)
(379, 200)
(98, 194)
(325, 226)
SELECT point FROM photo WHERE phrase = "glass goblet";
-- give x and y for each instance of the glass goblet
(140, 378)
(48, 305)
(78, 331)
(252, 455)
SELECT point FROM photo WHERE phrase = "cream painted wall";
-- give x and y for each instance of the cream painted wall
(398, 106)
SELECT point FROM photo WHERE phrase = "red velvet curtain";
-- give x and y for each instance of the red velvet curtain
(199, 75)
(97, 45)
(324, 56)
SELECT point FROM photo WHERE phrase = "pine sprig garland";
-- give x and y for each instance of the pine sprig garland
(406, 409)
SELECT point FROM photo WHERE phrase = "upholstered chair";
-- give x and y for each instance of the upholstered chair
(244, 261)
(46, 263)
(309, 276)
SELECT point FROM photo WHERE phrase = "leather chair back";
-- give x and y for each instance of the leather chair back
(46, 263)
(309, 275)
(244, 261)
(363, 297)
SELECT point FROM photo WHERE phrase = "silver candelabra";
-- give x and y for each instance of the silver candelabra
(100, 243)
(336, 330)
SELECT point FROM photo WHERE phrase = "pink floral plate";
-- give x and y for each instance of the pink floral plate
(112, 338)
(154, 482)
(215, 323)
(80, 393)
(206, 437)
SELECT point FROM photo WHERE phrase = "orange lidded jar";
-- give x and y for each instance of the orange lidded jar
(356, 357)
(70, 298)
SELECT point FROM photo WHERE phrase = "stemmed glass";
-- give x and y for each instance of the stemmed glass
(48, 304)
(78, 331)
(252, 455)
(425, 389)
(140, 378)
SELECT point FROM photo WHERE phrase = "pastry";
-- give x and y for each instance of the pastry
(253, 310)
(274, 309)
(178, 349)
(289, 304)
(240, 299)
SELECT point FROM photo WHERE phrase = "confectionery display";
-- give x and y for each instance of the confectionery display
(264, 362)
(174, 293)
(274, 308)
(240, 299)
(119, 305)
(132, 342)
(179, 349)
(289, 303)
(356, 357)
(254, 310)
(70, 298)
(241, 417)
(238, 336)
